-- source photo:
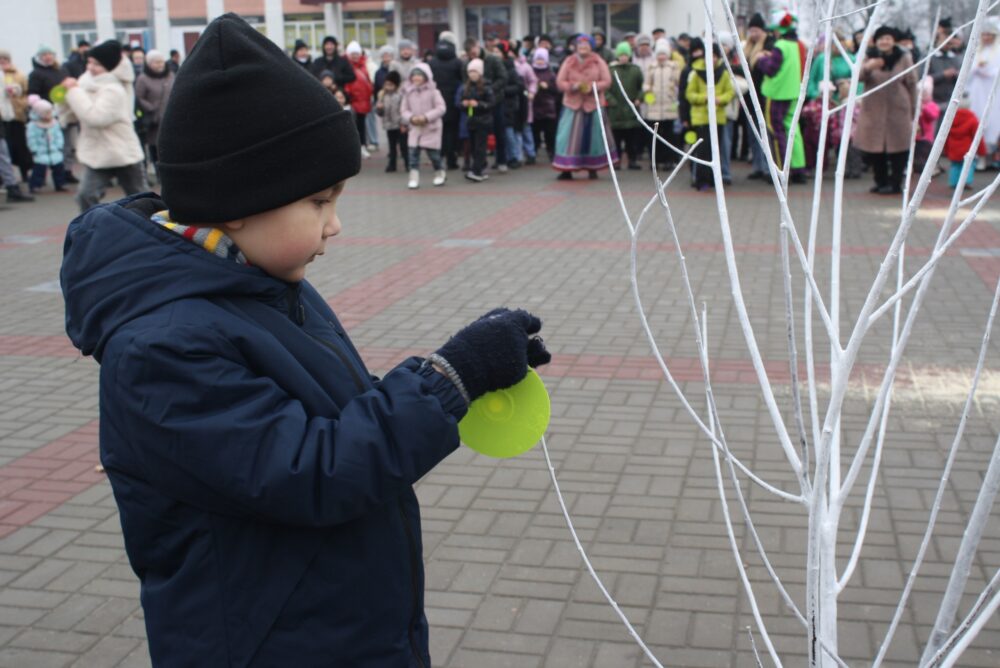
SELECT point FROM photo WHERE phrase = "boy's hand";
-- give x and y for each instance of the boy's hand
(496, 350)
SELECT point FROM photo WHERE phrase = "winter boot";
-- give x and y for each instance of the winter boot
(414, 182)
(14, 194)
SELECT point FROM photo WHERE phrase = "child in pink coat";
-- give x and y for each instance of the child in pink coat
(422, 111)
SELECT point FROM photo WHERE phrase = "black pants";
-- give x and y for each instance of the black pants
(17, 142)
(38, 175)
(397, 143)
(664, 155)
(499, 135)
(629, 137)
(359, 122)
(544, 129)
(703, 175)
(888, 168)
(477, 142)
(449, 144)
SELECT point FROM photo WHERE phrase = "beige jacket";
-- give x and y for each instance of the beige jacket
(663, 82)
(105, 107)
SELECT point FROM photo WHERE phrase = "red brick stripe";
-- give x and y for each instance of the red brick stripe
(40, 481)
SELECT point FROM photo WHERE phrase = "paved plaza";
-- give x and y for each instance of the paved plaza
(505, 584)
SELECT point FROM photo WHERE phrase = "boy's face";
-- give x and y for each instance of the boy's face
(284, 240)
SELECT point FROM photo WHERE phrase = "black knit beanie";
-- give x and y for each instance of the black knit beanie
(108, 54)
(247, 130)
(757, 21)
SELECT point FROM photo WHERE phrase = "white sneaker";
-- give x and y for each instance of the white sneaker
(472, 176)
(364, 153)
(502, 168)
(414, 182)
(440, 176)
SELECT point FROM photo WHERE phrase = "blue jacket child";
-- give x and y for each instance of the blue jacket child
(262, 475)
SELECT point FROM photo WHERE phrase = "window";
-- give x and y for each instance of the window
(617, 18)
(487, 22)
(370, 29)
(309, 31)
(70, 38)
(555, 19)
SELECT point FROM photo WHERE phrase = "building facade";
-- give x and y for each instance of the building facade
(176, 24)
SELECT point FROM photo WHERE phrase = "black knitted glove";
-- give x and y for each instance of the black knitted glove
(496, 350)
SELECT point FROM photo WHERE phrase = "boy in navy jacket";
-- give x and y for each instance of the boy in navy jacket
(263, 478)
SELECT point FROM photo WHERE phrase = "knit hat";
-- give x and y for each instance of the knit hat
(644, 39)
(886, 30)
(299, 44)
(4, 53)
(783, 21)
(448, 36)
(585, 38)
(42, 107)
(406, 44)
(696, 45)
(392, 76)
(330, 39)
(327, 74)
(662, 46)
(354, 48)
(991, 25)
(541, 55)
(43, 49)
(247, 130)
(757, 21)
(476, 65)
(623, 49)
(108, 54)
(155, 55)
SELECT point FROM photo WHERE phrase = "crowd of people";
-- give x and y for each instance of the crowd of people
(462, 104)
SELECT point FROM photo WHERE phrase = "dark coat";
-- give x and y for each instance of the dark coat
(448, 73)
(546, 100)
(75, 65)
(343, 73)
(495, 74)
(262, 476)
(515, 103)
(482, 115)
(43, 79)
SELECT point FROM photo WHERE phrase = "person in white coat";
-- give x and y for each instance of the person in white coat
(103, 101)
(984, 71)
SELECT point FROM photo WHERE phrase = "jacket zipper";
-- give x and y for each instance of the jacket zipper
(297, 311)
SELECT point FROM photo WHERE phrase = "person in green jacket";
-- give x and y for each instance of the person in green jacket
(782, 68)
(697, 96)
(624, 125)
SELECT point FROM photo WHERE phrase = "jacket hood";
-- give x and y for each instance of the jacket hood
(124, 71)
(445, 51)
(119, 265)
(423, 67)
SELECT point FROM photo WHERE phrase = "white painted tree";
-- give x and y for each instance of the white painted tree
(814, 446)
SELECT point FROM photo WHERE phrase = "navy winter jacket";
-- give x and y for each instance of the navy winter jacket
(262, 476)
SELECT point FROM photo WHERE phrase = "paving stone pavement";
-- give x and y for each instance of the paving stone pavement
(505, 585)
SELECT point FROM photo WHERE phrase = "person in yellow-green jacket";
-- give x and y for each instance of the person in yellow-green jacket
(697, 96)
(783, 69)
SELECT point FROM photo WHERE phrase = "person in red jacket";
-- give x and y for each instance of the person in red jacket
(360, 91)
(963, 131)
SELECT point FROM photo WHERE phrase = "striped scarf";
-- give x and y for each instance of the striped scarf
(212, 239)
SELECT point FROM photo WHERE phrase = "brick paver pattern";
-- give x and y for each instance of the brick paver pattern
(505, 585)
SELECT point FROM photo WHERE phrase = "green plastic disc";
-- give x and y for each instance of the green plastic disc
(509, 422)
(649, 97)
(690, 137)
(57, 94)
